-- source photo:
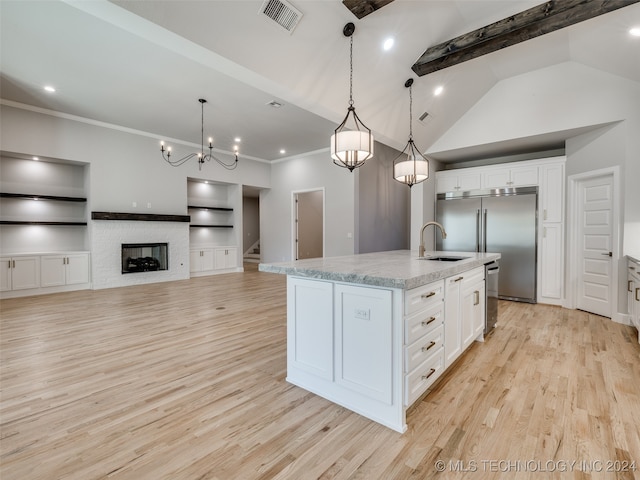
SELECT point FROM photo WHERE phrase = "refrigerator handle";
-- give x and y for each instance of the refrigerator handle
(478, 230)
(484, 232)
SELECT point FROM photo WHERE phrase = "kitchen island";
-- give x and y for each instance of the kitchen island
(372, 332)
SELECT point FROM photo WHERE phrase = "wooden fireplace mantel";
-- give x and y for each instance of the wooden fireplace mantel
(140, 217)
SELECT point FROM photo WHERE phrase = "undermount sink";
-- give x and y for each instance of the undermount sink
(441, 258)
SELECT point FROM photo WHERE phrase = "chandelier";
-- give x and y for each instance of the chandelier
(202, 157)
(352, 141)
(410, 167)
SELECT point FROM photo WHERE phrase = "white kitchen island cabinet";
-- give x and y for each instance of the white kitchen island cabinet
(368, 332)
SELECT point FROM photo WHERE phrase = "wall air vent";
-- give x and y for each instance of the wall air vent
(424, 117)
(281, 12)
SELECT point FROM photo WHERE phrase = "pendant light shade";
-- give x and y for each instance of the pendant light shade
(410, 167)
(352, 141)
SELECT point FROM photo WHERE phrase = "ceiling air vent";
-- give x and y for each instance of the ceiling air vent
(281, 12)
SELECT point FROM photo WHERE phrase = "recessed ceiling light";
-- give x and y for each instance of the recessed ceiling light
(388, 44)
(438, 90)
(274, 104)
(283, 151)
(49, 88)
(237, 139)
(36, 158)
(635, 31)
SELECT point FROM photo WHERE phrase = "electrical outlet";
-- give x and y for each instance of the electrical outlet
(134, 204)
(148, 204)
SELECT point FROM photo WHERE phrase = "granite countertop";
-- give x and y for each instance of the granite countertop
(394, 269)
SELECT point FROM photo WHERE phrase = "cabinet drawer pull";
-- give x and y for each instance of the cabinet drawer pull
(458, 279)
(430, 294)
(629, 282)
(637, 290)
(427, 347)
(476, 294)
(428, 322)
(431, 372)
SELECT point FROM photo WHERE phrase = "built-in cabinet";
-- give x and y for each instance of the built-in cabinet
(19, 273)
(213, 234)
(509, 176)
(549, 176)
(464, 312)
(46, 273)
(64, 269)
(633, 292)
(424, 337)
(210, 260)
(43, 232)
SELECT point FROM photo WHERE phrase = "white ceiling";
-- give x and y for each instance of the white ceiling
(144, 64)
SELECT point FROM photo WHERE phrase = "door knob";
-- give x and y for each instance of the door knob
(608, 254)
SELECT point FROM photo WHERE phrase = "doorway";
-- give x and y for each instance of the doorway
(594, 241)
(308, 224)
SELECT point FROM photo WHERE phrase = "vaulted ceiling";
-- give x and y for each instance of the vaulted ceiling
(144, 64)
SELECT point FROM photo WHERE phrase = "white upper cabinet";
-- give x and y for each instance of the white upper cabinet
(510, 176)
(552, 192)
(457, 180)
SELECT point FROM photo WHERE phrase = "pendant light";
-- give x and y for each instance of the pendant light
(202, 157)
(410, 167)
(352, 141)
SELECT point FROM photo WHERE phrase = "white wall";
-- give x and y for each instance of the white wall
(125, 167)
(313, 171)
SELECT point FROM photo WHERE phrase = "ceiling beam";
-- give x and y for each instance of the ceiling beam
(544, 18)
(362, 8)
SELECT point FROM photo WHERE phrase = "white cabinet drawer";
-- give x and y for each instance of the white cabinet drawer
(423, 322)
(422, 297)
(423, 376)
(423, 348)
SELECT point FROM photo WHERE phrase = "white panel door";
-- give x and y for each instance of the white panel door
(595, 237)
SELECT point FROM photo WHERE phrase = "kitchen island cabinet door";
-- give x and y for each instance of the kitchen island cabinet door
(364, 333)
(452, 320)
(310, 327)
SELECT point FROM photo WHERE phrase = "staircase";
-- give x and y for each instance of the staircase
(252, 255)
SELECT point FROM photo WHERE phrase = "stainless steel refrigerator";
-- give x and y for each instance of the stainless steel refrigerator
(499, 220)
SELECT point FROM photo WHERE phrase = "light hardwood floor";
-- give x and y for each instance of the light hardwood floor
(186, 380)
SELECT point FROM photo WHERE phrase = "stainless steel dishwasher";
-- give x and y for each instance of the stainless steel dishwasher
(491, 271)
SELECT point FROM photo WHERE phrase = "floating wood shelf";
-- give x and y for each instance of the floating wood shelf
(140, 217)
(12, 222)
(221, 209)
(212, 226)
(35, 196)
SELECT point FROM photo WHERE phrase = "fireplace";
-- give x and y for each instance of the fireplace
(144, 257)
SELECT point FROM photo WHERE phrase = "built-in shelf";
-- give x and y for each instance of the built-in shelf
(140, 217)
(220, 209)
(12, 222)
(212, 226)
(35, 196)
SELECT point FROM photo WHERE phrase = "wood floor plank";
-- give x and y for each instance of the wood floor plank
(186, 380)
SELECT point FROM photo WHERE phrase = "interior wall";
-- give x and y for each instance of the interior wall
(307, 172)
(126, 167)
(382, 205)
(250, 222)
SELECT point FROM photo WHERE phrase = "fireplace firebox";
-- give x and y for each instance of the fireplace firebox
(144, 257)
